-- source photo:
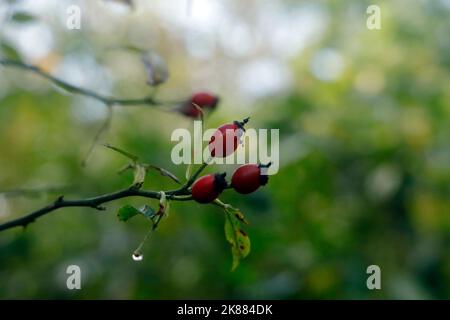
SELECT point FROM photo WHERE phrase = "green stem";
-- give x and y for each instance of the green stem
(194, 176)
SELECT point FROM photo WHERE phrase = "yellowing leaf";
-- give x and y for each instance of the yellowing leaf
(238, 239)
(244, 245)
(239, 215)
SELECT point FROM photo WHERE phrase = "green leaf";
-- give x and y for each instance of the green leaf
(22, 17)
(139, 175)
(9, 52)
(127, 212)
(123, 152)
(238, 239)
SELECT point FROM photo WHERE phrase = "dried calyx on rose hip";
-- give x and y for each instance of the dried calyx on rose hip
(227, 138)
(207, 188)
(248, 178)
(203, 100)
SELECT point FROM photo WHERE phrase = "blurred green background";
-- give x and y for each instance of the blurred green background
(364, 119)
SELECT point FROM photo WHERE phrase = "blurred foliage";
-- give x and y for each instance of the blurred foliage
(365, 157)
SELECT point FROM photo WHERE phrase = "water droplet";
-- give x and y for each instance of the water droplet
(137, 256)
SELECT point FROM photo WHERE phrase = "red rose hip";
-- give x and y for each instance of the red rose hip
(248, 178)
(226, 138)
(207, 188)
(202, 100)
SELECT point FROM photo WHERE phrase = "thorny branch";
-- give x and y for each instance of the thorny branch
(181, 194)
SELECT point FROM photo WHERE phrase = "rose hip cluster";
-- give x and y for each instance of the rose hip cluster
(246, 179)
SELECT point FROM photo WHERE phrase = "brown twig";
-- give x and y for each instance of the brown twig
(95, 203)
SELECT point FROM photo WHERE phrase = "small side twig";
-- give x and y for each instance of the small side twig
(194, 176)
(108, 100)
(104, 127)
